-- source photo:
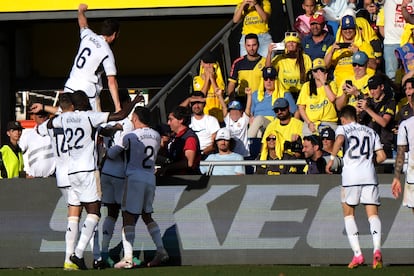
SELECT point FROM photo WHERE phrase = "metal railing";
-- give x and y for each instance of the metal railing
(180, 86)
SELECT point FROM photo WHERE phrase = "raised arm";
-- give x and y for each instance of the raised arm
(82, 20)
(123, 113)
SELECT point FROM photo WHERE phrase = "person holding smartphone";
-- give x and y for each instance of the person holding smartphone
(354, 86)
(349, 41)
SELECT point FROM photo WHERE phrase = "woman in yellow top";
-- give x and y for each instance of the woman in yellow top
(316, 101)
(291, 68)
(255, 15)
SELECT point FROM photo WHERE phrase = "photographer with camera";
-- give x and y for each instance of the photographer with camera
(378, 112)
(290, 130)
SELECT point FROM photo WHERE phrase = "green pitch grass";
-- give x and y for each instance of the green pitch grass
(240, 270)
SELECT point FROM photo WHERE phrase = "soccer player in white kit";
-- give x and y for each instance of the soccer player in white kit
(405, 141)
(140, 148)
(94, 56)
(62, 178)
(362, 148)
(80, 135)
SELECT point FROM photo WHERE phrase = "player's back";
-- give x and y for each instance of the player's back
(93, 50)
(359, 146)
(60, 149)
(80, 134)
(141, 147)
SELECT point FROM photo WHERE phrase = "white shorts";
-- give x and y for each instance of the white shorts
(364, 194)
(112, 189)
(138, 196)
(408, 199)
(83, 188)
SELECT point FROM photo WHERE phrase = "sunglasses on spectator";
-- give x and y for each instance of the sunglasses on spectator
(356, 64)
(276, 110)
(271, 138)
(323, 70)
(266, 79)
(295, 34)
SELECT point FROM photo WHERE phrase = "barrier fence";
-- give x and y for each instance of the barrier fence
(252, 219)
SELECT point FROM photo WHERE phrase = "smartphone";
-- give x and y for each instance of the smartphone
(343, 44)
(348, 82)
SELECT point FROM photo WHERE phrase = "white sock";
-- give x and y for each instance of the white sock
(375, 227)
(155, 233)
(94, 243)
(128, 237)
(71, 237)
(86, 234)
(107, 232)
(352, 232)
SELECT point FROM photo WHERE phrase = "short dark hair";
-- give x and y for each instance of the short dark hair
(348, 112)
(315, 140)
(109, 26)
(198, 94)
(65, 100)
(143, 114)
(80, 101)
(182, 113)
(251, 36)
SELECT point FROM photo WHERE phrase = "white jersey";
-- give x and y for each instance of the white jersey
(406, 138)
(359, 146)
(204, 129)
(94, 56)
(238, 131)
(38, 154)
(115, 166)
(61, 152)
(141, 148)
(80, 134)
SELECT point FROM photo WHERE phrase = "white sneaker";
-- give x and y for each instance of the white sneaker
(124, 263)
(159, 258)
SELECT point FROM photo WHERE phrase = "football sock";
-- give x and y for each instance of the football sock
(94, 243)
(128, 237)
(86, 234)
(375, 227)
(71, 236)
(352, 233)
(155, 233)
(107, 232)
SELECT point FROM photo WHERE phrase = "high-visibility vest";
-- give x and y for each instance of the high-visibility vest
(12, 163)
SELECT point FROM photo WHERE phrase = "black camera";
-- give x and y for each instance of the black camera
(294, 146)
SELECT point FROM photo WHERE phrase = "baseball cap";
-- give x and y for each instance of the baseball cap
(328, 133)
(14, 125)
(236, 105)
(317, 18)
(223, 134)
(348, 22)
(318, 63)
(360, 58)
(375, 81)
(269, 72)
(281, 103)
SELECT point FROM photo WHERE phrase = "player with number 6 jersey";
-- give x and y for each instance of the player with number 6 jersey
(94, 56)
